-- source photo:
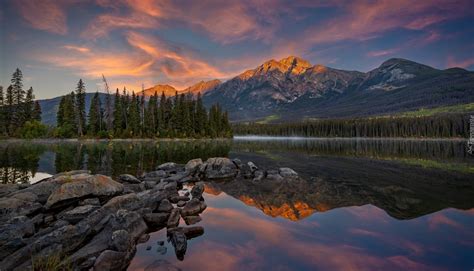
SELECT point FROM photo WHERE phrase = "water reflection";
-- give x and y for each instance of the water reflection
(360, 205)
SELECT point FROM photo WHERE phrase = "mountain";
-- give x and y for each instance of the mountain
(202, 87)
(292, 88)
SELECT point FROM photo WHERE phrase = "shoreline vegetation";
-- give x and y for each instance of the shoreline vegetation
(119, 116)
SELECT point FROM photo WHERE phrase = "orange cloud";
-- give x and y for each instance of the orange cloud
(382, 52)
(464, 63)
(77, 48)
(45, 15)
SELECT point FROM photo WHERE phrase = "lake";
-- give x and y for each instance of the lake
(361, 204)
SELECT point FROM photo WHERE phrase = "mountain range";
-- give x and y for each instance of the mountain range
(293, 89)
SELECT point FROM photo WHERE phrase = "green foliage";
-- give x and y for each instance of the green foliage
(33, 129)
(424, 112)
(452, 125)
(80, 108)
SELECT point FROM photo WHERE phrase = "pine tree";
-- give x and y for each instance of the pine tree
(95, 111)
(3, 122)
(9, 110)
(125, 105)
(118, 114)
(134, 116)
(17, 117)
(28, 105)
(36, 112)
(150, 119)
(201, 122)
(162, 115)
(81, 107)
(60, 113)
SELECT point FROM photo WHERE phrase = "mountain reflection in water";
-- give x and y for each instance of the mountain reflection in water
(359, 205)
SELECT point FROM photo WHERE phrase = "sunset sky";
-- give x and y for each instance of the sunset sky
(135, 42)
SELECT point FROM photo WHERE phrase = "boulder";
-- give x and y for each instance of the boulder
(143, 238)
(193, 207)
(287, 172)
(192, 219)
(181, 203)
(156, 219)
(179, 242)
(120, 241)
(90, 186)
(111, 260)
(252, 166)
(77, 214)
(178, 198)
(197, 190)
(170, 166)
(129, 201)
(127, 178)
(193, 165)
(11, 207)
(258, 175)
(173, 220)
(189, 232)
(165, 206)
(220, 168)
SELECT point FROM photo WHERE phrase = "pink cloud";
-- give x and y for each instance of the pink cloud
(464, 63)
(77, 48)
(47, 15)
(383, 52)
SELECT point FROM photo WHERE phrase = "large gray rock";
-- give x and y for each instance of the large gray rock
(192, 219)
(179, 241)
(165, 206)
(77, 214)
(197, 190)
(173, 219)
(169, 166)
(110, 260)
(193, 165)
(156, 219)
(193, 207)
(287, 172)
(219, 168)
(127, 178)
(121, 241)
(89, 186)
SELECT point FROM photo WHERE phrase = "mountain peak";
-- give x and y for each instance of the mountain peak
(295, 61)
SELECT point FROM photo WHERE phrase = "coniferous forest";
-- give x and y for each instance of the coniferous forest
(438, 126)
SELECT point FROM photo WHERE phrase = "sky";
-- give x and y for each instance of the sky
(149, 42)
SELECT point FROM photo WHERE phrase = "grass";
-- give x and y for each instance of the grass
(52, 262)
(425, 112)
(268, 119)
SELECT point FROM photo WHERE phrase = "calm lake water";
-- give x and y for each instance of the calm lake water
(362, 204)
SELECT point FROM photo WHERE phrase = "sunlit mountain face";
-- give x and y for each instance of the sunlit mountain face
(175, 45)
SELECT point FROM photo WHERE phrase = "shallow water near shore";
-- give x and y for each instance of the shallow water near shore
(362, 204)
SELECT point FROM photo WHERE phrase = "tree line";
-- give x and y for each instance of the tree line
(438, 126)
(18, 108)
(133, 115)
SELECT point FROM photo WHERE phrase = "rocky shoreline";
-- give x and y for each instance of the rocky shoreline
(79, 221)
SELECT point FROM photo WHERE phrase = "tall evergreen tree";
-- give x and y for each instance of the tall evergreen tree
(201, 117)
(28, 105)
(118, 114)
(134, 115)
(81, 107)
(17, 85)
(10, 110)
(37, 112)
(95, 111)
(3, 122)
(60, 113)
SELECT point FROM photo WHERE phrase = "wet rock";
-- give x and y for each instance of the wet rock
(167, 166)
(165, 206)
(193, 165)
(156, 219)
(193, 207)
(96, 185)
(252, 166)
(77, 214)
(178, 198)
(189, 232)
(197, 190)
(110, 260)
(258, 175)
(127, 178)
(90, 201)
(220, 168)
(173, 220)
(192, 219)
(287, 172)
(143, 238)
(179, 242)
(161, 250)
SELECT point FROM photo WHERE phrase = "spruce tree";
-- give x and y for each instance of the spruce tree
(17, 85)
(3, 122)
(10, 109)
(28, 105)
(201, 121)
(134, 116)
(94, 123)
(118, 114)
(36, 112)
(60, 113)
(81, 107)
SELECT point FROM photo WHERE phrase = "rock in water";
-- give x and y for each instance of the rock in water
(193, 165)
(110, 260)
(96, 185)
(193, 207)
(287, 172)
(219, 168)
(197, 190)
(165, 206)
(156, 219)
(192, 219)
(179, 241)
(127, 178)
(173, 220)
